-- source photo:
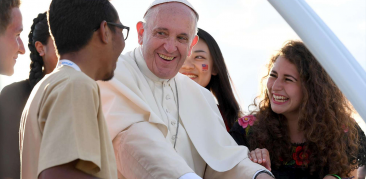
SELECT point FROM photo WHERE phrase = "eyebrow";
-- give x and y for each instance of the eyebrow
(161, 28)
(285, 75)
(197, 51)
(291, 77)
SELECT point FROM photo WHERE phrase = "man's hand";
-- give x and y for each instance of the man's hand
(261, 156)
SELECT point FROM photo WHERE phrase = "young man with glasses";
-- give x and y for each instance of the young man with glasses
(63, 133)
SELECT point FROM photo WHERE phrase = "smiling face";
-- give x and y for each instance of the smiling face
(284, 88)
(168, 38)
(199, 65)
(10, 43)
(115, 50)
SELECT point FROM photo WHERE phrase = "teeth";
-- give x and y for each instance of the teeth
(165, 57)
(192, 76)
(280, 98)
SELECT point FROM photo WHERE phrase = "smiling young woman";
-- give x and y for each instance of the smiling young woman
(206, 66)
(303, 128)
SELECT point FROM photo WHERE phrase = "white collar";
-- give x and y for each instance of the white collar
(65, 62)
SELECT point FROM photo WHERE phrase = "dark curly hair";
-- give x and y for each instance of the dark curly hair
(325, 115)
(39, 32)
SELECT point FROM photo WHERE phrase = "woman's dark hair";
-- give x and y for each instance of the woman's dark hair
(220, 84)
(325, 118)
(39, 32)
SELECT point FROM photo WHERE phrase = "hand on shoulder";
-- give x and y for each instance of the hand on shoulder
(261, 156)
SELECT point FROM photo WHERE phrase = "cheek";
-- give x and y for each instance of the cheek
(296, 94)
(269, 85)
(205, 74)
(206, 68)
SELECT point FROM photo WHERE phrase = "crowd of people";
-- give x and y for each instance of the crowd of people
(166, 109)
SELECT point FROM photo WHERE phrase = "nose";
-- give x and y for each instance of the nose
(277, 85)
(170, 46)
(21, 46)
(188, 63)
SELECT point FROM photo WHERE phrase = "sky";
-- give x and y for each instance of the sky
(247, 31)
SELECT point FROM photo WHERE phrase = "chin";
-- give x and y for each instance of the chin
(277, 110)
(9, 72)
(108, 77)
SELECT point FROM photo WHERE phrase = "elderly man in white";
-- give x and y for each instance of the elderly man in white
(162, 123)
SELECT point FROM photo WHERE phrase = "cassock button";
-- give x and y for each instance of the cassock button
(167, 97)
(173, 137)
(173, 123)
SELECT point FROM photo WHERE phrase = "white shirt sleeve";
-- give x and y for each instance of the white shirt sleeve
(259, 171)
(142, 152)
(190, 176)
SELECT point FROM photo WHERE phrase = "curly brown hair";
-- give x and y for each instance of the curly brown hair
(325, 115)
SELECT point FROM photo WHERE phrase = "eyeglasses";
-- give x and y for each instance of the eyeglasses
(125, 29)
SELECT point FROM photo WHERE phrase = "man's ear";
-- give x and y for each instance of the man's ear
(140, 32)
(40, 48)
(194, 42)
(104, 32)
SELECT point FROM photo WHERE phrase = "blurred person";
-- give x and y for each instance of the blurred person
(10, 28)
(303, 128)
(63, 133)
(163, 124)
(14, 96)
(206, 66)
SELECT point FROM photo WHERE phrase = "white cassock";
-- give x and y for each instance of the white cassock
(141, 111)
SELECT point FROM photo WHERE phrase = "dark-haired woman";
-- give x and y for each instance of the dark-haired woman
(207, 67)
(14, 96)
(303, 128)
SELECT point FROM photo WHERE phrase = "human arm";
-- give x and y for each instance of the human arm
(72, 129)
(246, 169)
(143, 152)
(65, 171)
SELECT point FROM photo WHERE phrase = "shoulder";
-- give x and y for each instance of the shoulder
(241, 129)
(184, 80)
(243, 124)
(16, 87)
(68, 78)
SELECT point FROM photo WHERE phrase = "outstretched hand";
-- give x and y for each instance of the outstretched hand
(261, 156)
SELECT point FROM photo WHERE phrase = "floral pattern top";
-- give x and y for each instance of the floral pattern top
(297, 166)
